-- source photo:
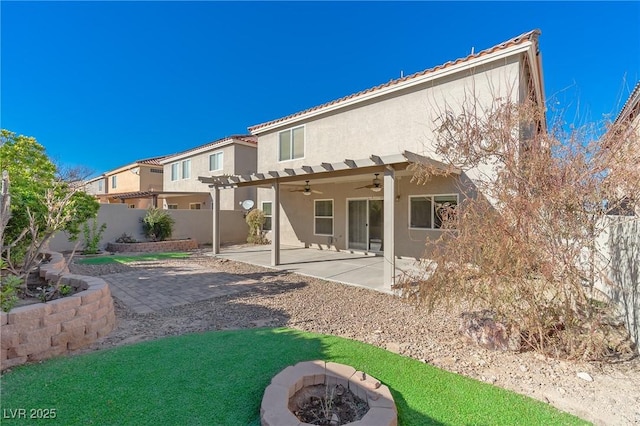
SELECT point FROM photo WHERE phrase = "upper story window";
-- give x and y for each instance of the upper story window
(186, 169)
(291, 144)
(114, 181)
(215, 161)
(174, 171)
(100, 185)
(155, 171)
(427, 211)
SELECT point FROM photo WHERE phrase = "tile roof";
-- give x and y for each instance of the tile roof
(632, 103)
(528, 36)
(244, 138)
(152, 161)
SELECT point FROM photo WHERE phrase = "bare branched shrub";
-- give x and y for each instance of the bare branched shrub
(525, 247)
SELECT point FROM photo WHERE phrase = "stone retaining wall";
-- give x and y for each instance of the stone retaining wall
(44, 330)
(153, 247)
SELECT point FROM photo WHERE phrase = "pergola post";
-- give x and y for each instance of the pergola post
(275, 225)
(389, 267)
(215, 201)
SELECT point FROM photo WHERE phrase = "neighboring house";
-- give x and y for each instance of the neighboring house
(96, 186)
(339, 175)
(628, 121)
(137, 184)
(229, 156)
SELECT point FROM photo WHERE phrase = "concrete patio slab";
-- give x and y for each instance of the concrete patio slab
(359, 269)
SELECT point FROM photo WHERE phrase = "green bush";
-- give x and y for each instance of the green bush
(92, 236)
(157, 225)
(255, 219)
(8, 292)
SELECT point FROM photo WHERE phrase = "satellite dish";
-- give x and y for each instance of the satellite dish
(247, 204)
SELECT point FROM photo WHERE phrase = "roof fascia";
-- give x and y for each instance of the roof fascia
(535, 59)
(482, 60)
(206, 148)
(127, 167)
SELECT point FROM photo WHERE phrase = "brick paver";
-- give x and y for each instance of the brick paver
(155, 286)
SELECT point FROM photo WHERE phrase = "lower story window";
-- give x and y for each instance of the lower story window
(195, 206)
(429, 211)
(172, 206)
(266, 209)
(323, 217)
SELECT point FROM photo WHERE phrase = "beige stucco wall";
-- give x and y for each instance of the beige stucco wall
(297, 212)
(403, 121)
(126, 181)
(183, 201)
(194, 224)
(93, 188)
(236, 159)
(151, 181)
(619, 254)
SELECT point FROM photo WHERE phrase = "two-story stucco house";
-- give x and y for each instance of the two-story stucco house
(137, 184)
(339, 175)
(224, 157)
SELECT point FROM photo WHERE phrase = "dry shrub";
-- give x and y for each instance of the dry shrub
(526, 246)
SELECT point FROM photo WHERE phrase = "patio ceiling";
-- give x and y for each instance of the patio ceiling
(345, 168)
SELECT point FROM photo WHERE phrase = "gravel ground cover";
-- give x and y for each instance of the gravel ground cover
(604, 393)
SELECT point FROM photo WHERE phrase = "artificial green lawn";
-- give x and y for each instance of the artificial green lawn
(101, 260)
(218, 378)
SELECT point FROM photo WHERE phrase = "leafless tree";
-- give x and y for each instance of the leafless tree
(526, 247)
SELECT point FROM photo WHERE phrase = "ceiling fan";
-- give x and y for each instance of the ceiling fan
(306, 189)
(376, 185)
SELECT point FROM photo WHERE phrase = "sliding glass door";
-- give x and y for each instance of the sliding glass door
(366, 224)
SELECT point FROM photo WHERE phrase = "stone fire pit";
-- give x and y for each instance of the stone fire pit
(275, 408)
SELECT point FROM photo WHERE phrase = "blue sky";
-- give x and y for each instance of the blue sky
(102, 84)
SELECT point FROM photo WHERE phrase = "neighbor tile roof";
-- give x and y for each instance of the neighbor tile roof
(632, 103)
(155, 161)
(245, 138)
(528, 36)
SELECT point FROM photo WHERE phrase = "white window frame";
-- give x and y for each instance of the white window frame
(433, 204)
(172, 207)
(220, 161)
(270, 216)
(332, 217)
(100, 185)
(192, 206)
(175, 171)
(304, 142)
(114, 181)
(186, 169)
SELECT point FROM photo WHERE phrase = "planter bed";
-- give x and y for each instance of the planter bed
(44, 330)
(153, 246)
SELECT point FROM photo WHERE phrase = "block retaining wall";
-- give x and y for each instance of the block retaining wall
(44, 330)
(153, 247)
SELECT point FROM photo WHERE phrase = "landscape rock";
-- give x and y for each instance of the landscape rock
(319, 306)
(585, 376)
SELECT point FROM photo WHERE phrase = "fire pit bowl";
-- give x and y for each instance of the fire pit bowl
(278, 396)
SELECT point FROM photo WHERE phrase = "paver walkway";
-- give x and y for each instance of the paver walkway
(152, 286)
(155, 286)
